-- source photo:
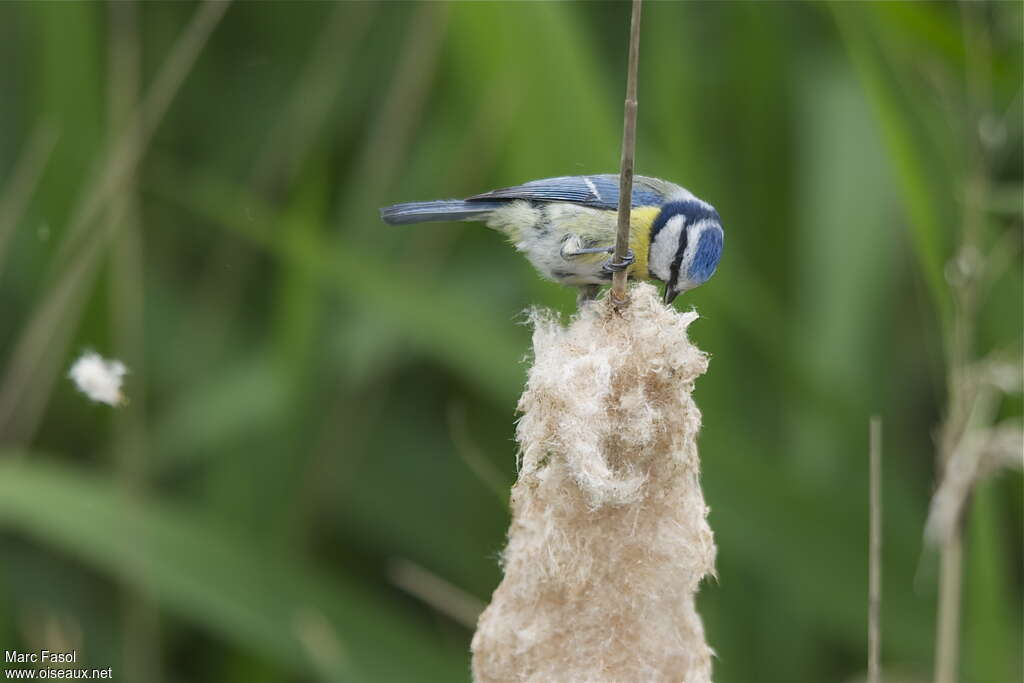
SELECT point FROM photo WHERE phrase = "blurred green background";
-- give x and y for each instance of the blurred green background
(310, 480)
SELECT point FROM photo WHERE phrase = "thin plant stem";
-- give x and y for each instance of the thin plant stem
(470, 454)
(443, 596)
(402, 108)
(964, 275)
(140, 617)
(628, 156)
(875, 552)
(125, 152)
(315, 93)
(947, 637)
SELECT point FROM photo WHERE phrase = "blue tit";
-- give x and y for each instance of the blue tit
(566, 227)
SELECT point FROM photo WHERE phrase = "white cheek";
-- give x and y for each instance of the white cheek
(664, 247)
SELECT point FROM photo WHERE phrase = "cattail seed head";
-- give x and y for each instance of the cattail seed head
(609, 537)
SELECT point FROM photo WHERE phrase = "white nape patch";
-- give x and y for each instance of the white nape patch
(99, 379)
(593, 188)
(681, 194)
(665, 246)
(692, 240)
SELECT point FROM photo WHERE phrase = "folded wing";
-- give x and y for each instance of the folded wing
(596, 191)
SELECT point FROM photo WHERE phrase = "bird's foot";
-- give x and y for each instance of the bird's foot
(610, 266)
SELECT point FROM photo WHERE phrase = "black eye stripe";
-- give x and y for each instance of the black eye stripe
(677, 260)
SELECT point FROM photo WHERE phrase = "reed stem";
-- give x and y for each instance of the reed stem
(628, 156)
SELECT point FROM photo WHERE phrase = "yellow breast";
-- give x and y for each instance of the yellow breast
(640, 221)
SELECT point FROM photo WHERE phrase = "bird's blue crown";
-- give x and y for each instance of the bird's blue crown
(692, 210)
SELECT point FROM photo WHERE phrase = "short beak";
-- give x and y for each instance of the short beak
(670, 294)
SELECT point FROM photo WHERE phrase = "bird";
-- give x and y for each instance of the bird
(566, 227)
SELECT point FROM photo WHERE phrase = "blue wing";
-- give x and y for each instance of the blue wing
(596, 191)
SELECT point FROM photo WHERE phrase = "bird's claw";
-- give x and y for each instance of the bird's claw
(610, 266)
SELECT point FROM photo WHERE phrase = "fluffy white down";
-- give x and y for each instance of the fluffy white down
(99, 379)
(609, 537)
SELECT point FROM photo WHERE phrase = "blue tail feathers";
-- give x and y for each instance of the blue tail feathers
(436, 211)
